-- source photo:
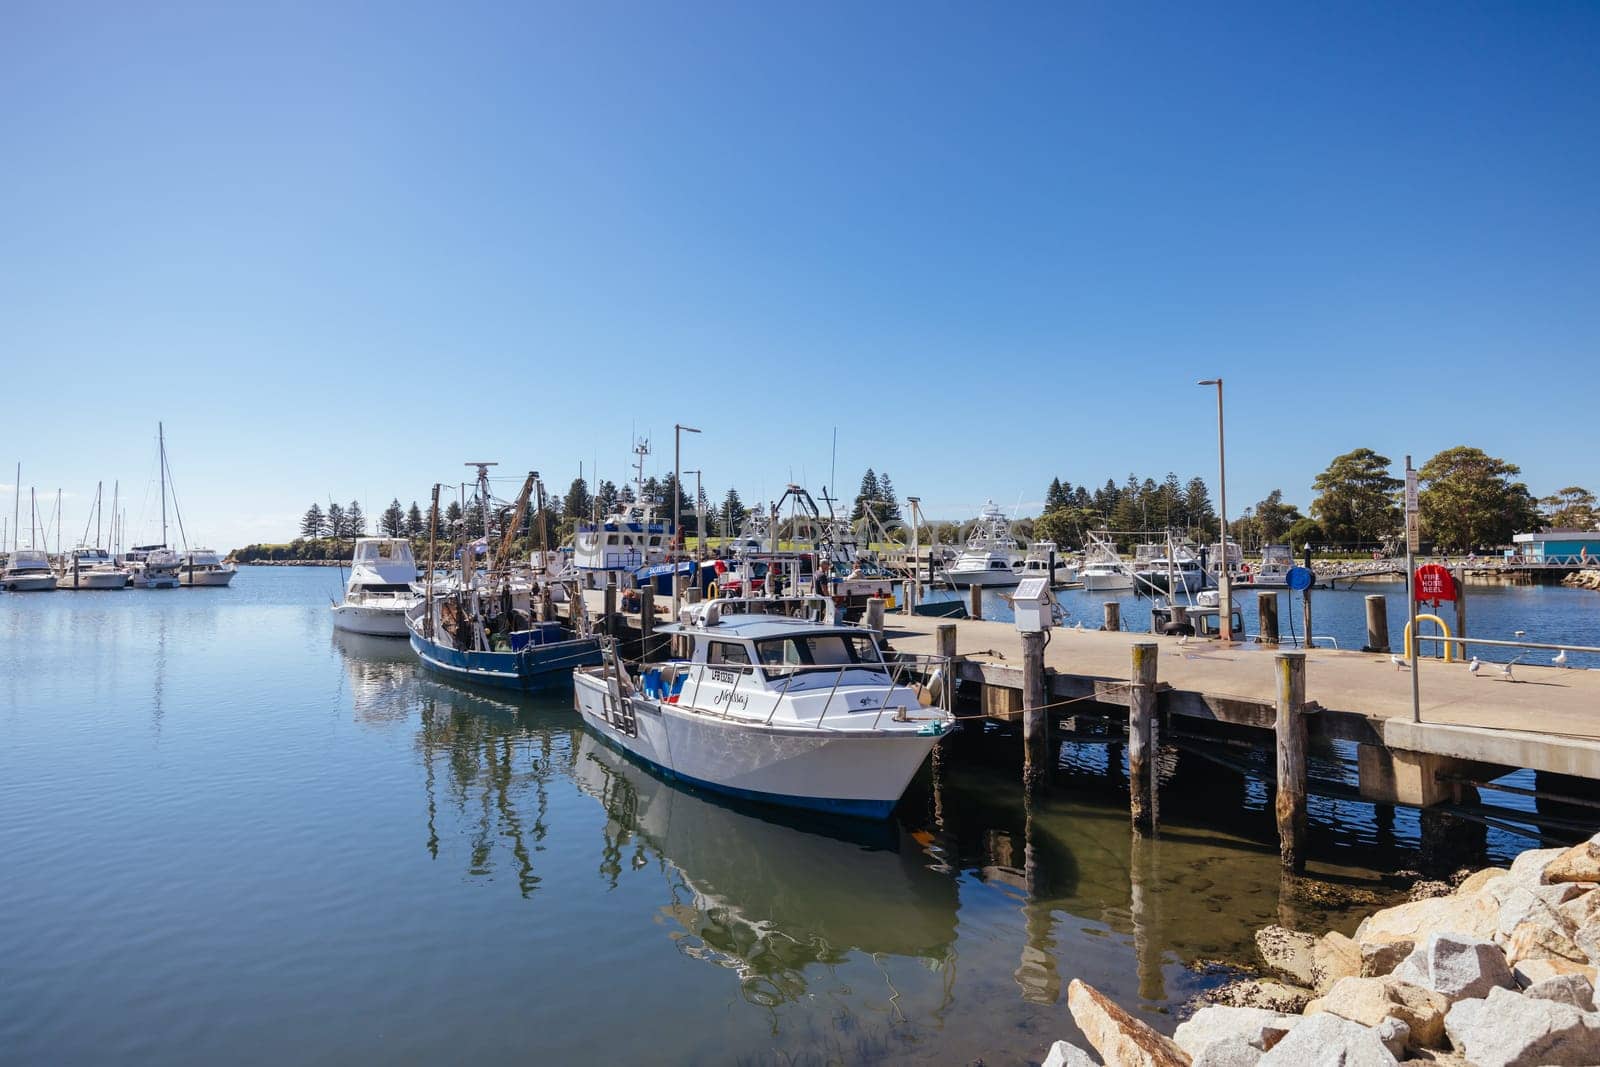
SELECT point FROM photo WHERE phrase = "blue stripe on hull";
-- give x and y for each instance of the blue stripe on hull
(860, 809)
(531, 670)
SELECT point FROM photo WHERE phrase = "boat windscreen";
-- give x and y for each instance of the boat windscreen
(778, 654)
(384, 587)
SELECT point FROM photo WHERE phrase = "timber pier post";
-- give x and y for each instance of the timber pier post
(1035, 717)
(1267, 611)
(1141, 716)
(1290, 727)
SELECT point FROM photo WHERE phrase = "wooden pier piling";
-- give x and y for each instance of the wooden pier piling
(975, 595)
(1267, 612)
(1461, 603)
(1377, 623)
(647, 622)
(1305, 614)
(1141, 714)
(1112, 617)
(874, 616)
(1035, 719)
(1290, 727)
(611, 604)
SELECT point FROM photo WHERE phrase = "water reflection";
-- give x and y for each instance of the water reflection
(489, 769)
(381, 672)
(766, 895)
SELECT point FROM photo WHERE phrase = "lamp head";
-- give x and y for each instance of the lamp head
(1210, 381)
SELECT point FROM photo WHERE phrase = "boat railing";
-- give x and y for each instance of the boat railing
(897, 671)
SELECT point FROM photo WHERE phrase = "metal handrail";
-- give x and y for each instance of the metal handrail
(1505, 644)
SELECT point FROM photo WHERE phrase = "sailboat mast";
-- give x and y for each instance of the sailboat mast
(16, 510)
(99, 509)
(33, 519)
(161, 438)
(58, 520)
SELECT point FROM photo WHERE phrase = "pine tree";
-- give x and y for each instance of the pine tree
(605, 498)
(1057, 496)
(338, 525)
(1197, 509)
(733, 512)
(313, 524)
(866, 496)
(452, 517)
(577, 502)
(356, 520)
(393, 520)
(414, 527)
(888, 508)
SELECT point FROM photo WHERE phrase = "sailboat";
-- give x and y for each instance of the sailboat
(88, 567)
(28, 569)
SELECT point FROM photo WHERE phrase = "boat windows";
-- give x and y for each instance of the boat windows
(726, 652)
(781, 655)
(383, 587)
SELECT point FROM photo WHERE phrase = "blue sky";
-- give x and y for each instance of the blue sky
(340, 248)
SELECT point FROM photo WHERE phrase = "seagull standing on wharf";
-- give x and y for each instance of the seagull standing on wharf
(1560, 659)
(1472, 668)
(1505, 672)
(1398, 661)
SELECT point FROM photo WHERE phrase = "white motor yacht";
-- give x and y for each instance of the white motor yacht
(1273, 570)
(774, 702)
(152, 567)
(28, 571)
(1103, 570)
(379, 592)
(991, 556)
(203, 567)
(91, 568)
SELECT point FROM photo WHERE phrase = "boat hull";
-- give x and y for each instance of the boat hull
(372, 621)
(533, 669)
(205, 578)
(154, 581)
(1102, 582)
(30, 583)
(93, 580)
(856, 773)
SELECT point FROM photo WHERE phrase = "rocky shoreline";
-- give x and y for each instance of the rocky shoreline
(1497, 972)
(1588, 579)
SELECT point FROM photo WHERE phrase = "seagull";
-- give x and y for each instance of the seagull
(1399, 662)
(1472, 668)
(1560, 659)
(1505, 672)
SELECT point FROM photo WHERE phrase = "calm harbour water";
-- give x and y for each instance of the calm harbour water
(227, 834)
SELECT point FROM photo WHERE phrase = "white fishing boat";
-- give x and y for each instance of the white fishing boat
(1273, 570)
(1103, 569)
(28, 571)
(204, 567)
(625, 540)
(1044, 560)
(379, 592)
(1170, 567)
(991, 556)
(774, 702)
(91, 568)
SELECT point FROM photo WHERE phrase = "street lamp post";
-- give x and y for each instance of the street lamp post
(1224, 579)
(699, 518)
(677, 508)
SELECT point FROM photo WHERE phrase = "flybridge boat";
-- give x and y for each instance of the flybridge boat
(91, 568)
(28, 571)
(628, 539)
(152, 567)
(774, 702)
(991, 556)
(203, 567)
(1103, 569)
(379, 592)
(1174, 569)
(1273, 571)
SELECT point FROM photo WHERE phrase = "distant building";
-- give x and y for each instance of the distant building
(1571, 548)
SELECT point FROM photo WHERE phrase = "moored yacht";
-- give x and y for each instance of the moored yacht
(91, 568)
(203, 567)
(379, 592)
(28, 571)
(151, 567)
(1103, 569)
(991, 556)
(1273, 570)
(774, 702)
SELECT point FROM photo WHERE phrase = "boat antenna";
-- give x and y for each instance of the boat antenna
(833, 468)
